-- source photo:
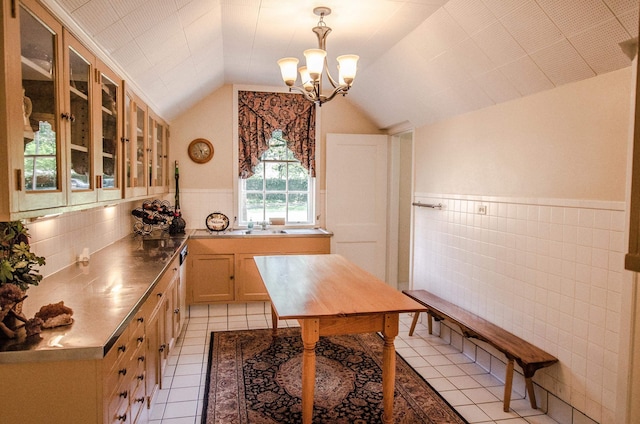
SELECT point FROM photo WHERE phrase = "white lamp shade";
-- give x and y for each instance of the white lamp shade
(288, 70)
(347, 67)
(315, 62)
(307, 82)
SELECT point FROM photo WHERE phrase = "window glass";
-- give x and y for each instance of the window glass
(279, 188)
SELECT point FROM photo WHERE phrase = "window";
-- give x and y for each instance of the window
(280, 187)
(40, 160)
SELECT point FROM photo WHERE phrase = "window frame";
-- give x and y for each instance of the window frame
(314, 191)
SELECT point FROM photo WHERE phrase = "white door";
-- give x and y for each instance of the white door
(357, 199)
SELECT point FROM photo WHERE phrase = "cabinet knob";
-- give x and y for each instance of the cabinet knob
(122, 417)
(231, 277)
(140, 377)
(122, 348)
(176, 311)
(159, 295)
(122, 371)
(123, 394)
(141, 319)
(162, 347)
(141, 358)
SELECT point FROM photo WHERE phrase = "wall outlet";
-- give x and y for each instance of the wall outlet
(482, 209)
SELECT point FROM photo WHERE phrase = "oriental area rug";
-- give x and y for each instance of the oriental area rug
(256, 378)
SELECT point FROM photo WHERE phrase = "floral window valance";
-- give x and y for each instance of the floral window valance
(260, 114)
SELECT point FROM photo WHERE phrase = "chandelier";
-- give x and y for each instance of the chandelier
(316, 61)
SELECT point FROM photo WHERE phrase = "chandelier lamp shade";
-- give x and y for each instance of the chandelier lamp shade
(311, 75)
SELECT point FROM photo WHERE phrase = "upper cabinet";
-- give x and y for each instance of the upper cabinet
(75, 137)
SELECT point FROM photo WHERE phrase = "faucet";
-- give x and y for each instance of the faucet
(264, 224)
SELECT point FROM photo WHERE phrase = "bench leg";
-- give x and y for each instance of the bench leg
(416, 315)
(508, 383)
(532, 394)
(430, 322)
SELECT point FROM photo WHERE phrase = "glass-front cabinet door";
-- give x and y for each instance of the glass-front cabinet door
(136, 142)
(37, 156)
(158, 137)
(109, 110)
(77, 117)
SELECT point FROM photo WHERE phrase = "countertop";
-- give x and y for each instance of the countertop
(268, 232)
(104, 294)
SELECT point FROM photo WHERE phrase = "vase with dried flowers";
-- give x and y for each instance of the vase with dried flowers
(18, 271)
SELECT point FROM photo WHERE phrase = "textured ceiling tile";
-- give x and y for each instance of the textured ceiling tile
(473, 96)
(497, 86)
(71, 5)
(531, 27)
(573, 17)
(114, 37)
(562, 64)
(621, 6)
(599, 46)
(97, 15)
(437, 34)
(127, 54)
(630, 22)
(471, 15)
(195, 10)
(498, 44)
(471, 58)
(204, 33)
(526, 77)
(153, 12)
(124, 7)
(501, 7)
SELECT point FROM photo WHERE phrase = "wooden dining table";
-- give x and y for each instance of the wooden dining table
(329, 295)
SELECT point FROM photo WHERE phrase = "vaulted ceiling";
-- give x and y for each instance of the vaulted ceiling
(420, 60)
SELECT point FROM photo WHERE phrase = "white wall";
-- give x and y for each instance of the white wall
(546, 262)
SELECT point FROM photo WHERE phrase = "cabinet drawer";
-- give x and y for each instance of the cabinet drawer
(118, 403)
(117, 351)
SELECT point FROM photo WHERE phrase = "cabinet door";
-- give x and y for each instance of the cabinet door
(249, 285)
(38, 163)
(135, 160)
(78, 116)
(109, 164)
(211, 278)
(158, 148)
(152, 360)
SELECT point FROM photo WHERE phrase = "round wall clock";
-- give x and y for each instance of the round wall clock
(217, 221)
(200, 150)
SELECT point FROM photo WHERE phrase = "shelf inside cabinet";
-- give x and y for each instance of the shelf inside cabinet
(34, 71)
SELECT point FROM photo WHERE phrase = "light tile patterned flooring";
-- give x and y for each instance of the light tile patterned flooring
(476, 394)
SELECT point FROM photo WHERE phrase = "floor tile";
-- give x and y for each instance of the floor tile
(472, 390)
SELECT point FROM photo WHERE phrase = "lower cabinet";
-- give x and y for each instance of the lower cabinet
(223, 270)
(135, 364)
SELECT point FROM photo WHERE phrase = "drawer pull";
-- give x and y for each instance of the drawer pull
(176, 311)
(122, 417)
(162, 347)
(123, 394)
(140, 377)
(122, 348)
(141, 320)
(122, 371)
(141, 358)
(140, 339)
(159, 295)
(139, 400)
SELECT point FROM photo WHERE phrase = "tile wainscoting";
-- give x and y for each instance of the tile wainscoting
(549, 271)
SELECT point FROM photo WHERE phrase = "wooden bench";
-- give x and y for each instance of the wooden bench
(529, 357)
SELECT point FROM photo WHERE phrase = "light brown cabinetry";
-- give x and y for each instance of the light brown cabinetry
(60, 117)
(135, 364)
(223, 270)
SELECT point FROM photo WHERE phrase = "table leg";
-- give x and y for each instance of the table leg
(310, 335)
(390, 331)
(274, 321)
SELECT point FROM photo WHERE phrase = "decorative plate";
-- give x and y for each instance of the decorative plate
(217, 221)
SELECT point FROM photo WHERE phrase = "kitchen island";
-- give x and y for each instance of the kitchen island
(104, 367)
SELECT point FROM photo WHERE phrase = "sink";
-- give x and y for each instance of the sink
(256, 232)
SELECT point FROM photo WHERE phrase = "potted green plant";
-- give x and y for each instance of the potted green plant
(18, 271)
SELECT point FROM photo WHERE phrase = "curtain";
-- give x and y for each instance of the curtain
(260, 114)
